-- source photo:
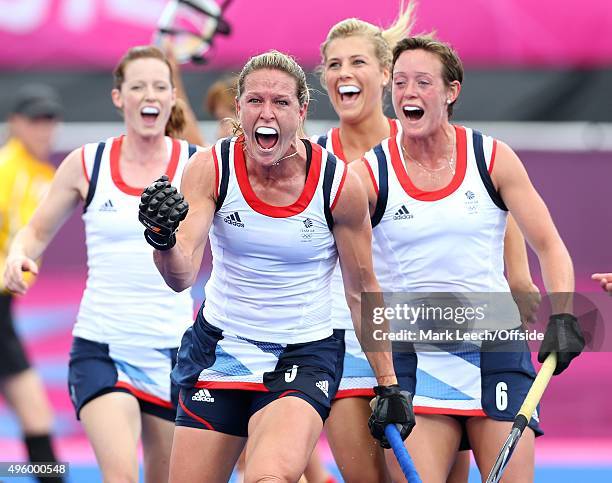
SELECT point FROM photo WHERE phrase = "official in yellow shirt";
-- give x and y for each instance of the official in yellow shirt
(24, 179)
(25, 175)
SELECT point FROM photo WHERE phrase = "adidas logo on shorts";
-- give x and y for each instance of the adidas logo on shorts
(203, 395)
(324, 386)
(234, 219)
(403, 214)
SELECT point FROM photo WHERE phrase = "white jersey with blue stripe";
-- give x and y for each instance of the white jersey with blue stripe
(126, 300)
(450, 240)
(341, 315)
(272, 265)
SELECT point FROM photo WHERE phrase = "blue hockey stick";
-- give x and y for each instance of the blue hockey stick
(401, 454)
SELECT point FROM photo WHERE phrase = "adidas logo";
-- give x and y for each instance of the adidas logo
(324, 386)
(402, 214)
(234, 219)
(308, 223)
(203, 395)
(108, 206)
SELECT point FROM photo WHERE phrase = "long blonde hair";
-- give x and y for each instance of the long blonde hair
(383, 41)
(274, 60)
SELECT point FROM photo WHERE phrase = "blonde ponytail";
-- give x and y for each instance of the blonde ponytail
(402, 27)
(382, 40)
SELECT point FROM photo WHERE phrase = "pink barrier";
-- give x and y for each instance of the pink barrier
(94, 33)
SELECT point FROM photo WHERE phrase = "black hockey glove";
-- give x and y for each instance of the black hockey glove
(563, 336)
(391, 406)
(161, 210)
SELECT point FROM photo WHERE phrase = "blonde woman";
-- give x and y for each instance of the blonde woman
(261, 364)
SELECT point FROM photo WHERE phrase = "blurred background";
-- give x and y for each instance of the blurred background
(538, 76)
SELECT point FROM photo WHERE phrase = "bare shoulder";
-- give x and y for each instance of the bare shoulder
(201, 174)
(71, 173)
(505, 156)
(202, 161)
(351, 204)
(504, 151)
(360, 167)
(507, 164)
(74, 159)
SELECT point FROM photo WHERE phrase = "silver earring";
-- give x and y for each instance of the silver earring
(448, 101)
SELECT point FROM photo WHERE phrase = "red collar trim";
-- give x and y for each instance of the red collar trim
(397, 161)
(337, 144)
(312, 180)
(115, 156)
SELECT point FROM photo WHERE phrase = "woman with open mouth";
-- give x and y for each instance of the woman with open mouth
(130, 322)
(261, 364)
(443, 193)
(356, 57)
(355, 71)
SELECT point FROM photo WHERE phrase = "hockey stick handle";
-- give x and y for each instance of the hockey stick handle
(523, 417)
(401, 454)
(538, 387)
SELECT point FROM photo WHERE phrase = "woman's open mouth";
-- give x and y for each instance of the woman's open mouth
(349, 93)
(413, 113)
(149, 114)
(266, 137)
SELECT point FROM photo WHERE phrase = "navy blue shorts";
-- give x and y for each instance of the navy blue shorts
(96, 369)
(225, 379)
(228, 411)
(506, 374)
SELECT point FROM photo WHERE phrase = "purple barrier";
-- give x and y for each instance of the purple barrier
(576, 188)
(94, 33)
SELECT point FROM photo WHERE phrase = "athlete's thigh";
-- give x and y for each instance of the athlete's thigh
(315, 469)
(112, 423)
(157, 434)
(433, 444)
(204, 456)
(282, 436)
(358, 456)
(487, 436)
(460, 470)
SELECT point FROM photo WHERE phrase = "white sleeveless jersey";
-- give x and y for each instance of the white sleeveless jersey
(272, 265)
(450, 240)
(341, 315)
(126, 299)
